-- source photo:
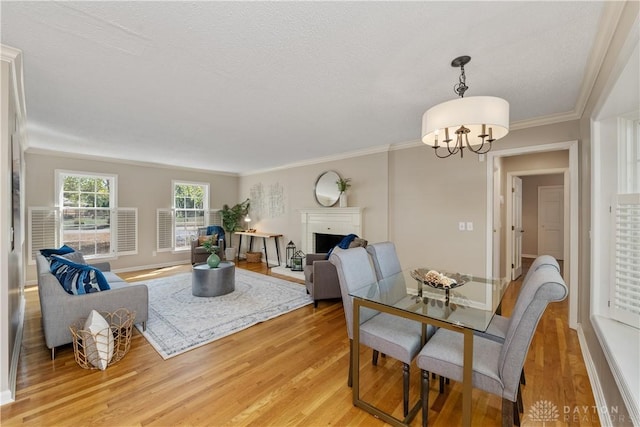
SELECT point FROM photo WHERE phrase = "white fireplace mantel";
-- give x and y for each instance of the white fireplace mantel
(341, 221)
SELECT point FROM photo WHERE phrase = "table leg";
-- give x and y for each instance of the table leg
(266, 257)
(277, 250)
(467, 377)
(356, 351)
(239, 246)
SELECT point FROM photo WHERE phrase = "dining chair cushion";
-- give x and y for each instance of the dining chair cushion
(392, 335)
(444, 356)
(385, 259)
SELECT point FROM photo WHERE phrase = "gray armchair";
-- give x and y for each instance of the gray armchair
(321, 278)
(198, 253)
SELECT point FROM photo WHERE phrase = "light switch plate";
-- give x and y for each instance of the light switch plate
(469, 226)
(461, 226)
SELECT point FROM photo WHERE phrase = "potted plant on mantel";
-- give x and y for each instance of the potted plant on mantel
(343, 184)
(231, 219)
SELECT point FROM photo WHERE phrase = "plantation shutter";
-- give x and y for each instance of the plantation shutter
(43, 230)
(164, 230)
(625, 292)
(127, 231)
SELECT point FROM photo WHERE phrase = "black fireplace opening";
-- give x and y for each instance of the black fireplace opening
(324, 242)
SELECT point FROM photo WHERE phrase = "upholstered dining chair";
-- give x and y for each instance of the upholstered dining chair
(496, 366)
(385, 259)
(497, 328)
(391, 335)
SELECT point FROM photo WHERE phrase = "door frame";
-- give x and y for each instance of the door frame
(571, 191)
(511, 227)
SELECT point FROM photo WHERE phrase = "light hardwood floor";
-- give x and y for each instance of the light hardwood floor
(291, 370)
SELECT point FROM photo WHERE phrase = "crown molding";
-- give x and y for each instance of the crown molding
(606, 29)
(45, 152)
(332, 158)
(13, 56)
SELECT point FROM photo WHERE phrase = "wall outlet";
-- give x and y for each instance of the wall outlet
(461, 226)
(469, 226)
(154, 253)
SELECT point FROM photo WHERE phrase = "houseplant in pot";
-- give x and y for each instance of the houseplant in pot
(231, 220)
(343, 184)
(213, 260)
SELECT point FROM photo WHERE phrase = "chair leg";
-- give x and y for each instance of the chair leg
(441, 384)
(350, 379)
(516, 414)
(315, 303)
(374, 360)
(507, 413)
(405, 388)
(520, 404)
(424, 397)
(53, 353)
(523, 381)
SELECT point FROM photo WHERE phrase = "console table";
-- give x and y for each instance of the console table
(264, 237)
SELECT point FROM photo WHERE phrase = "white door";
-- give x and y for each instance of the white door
(516, 228)
(551, 221)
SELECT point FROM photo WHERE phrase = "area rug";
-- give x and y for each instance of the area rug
(288, 272)
(179, 322)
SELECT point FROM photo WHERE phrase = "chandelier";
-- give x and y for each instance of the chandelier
(472, 123)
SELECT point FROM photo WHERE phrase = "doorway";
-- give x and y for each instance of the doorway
(498, 268)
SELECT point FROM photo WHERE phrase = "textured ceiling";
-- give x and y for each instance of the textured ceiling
(246, 86)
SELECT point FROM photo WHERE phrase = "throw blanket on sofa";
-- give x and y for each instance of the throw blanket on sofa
(344, 243)
(216, 229)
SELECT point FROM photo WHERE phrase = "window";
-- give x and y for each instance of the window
(625, 231)
(190, 203)
(86, 218)
(86, 203)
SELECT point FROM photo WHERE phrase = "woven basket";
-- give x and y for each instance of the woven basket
(120, 326)
(254, 256)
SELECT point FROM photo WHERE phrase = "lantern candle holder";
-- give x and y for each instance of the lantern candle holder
(291, 251)
(296, 261)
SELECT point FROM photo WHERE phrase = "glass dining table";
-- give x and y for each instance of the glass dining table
(466, 305)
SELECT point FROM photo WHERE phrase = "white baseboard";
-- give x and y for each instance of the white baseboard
(598, 394)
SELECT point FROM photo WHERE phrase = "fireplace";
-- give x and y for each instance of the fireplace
(335, 222)
(324, 242)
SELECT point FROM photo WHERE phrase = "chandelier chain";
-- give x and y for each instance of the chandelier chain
(461, 87)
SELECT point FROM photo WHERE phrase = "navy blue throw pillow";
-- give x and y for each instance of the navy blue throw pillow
(63, 250)
(78, 279)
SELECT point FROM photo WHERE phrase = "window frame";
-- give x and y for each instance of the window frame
(175, 210)
(60, 176)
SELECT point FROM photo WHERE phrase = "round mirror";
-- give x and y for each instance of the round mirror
(327, 193)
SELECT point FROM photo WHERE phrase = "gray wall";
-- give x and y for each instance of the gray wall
(11, 215)
(599, 91)
(145, 187)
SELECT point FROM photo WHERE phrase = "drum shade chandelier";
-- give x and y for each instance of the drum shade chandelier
(472, 123)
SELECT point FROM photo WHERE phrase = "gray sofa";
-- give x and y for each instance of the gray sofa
(60, 309)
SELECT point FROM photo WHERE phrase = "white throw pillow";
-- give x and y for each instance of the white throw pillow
(99, 350)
